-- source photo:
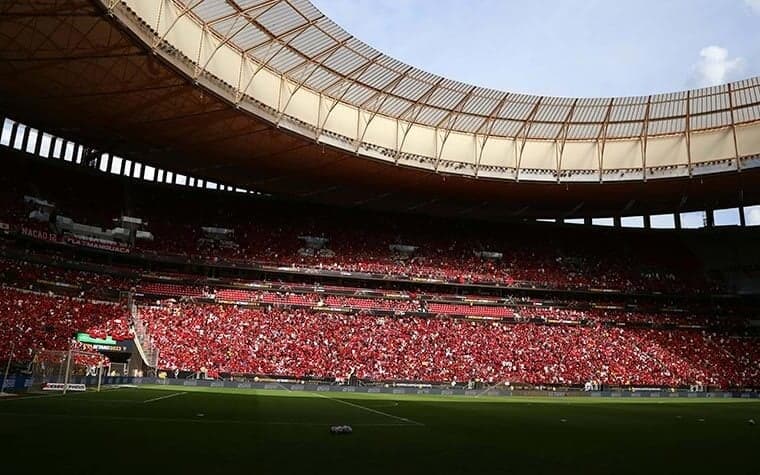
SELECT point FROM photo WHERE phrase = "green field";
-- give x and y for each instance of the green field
(189, 430)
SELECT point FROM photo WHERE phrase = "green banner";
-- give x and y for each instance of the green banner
(86, 338)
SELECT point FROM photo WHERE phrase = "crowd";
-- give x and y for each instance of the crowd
(310, 343)
(94, 285)
(539, 345)
(32, 321)
(271, 232)
(292, 333)
(36, 276)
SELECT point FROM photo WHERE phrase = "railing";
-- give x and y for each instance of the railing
(143, 339)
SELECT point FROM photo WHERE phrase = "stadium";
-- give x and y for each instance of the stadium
(235, 236)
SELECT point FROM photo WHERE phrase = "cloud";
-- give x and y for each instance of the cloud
(715, 67)
(754, 5)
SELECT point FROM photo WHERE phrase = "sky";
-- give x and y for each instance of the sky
(564, 47)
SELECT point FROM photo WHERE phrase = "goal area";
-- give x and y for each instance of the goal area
(63, 371)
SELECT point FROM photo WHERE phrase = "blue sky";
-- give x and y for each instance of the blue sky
(564, 47)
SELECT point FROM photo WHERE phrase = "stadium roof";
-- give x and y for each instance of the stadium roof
(293, 38)
(284, 59)
(272, 95)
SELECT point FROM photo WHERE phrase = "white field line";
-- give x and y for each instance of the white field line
(197, 421)
(163, 397)
(369, 409)
(23, 398)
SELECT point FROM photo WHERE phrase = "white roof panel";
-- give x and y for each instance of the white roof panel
(289, 34)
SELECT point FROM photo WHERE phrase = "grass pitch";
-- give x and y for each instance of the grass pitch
(195, 430)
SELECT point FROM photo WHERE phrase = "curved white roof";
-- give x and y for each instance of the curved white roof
(310, 75)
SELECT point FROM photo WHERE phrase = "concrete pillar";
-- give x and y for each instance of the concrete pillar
(710, 218)
(25, 139)
(12, 139)
(38, 143)
(647, 221)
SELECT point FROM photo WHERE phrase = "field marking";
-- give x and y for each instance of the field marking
(404, 419)
(195, 421)
(163, 397)
(23, 398)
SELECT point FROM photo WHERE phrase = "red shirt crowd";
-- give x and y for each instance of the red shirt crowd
(35, 322)
(302, 343)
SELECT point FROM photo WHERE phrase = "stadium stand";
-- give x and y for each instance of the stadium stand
(562, 309)
(267, 232)
(306, 343)
(36, 321)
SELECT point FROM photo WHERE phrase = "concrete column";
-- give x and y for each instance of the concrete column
(25, 139)
(710, 218)
(12, 140)
(38, 143)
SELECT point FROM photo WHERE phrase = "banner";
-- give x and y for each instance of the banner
(37, 234)
(15, 382)
(113, 348)
(76, 240)
(86, 338)
(95, 243)
(75, 387)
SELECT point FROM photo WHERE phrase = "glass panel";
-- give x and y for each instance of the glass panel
(116, 165)
(68, 154)
(150, 173)
(31, 141)
(632, 222)
(18, 143)
(603, 222)
(103, 165)
(693, 220)
(5, 136)
(663, 221)
(45, 145)
(752, 215)
(726, 217)
(57, 146)
(574, 221)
